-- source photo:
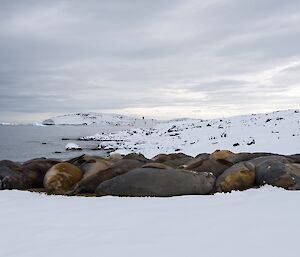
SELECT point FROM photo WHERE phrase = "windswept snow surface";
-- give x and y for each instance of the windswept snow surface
(277, 132)
(98, 119)
(257, 222)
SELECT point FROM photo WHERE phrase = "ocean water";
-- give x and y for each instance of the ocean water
(24, 142)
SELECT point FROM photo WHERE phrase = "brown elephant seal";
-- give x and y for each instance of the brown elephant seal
(158, 182)
(61, 178)
(295, 157)
(221, 156)
(90, 165)
(136, 156)
(114, 157)
(9, 168)
(89, 184)
(205, 164)
(240, 176)
(173, 160)
(156, 165)
(28, 175)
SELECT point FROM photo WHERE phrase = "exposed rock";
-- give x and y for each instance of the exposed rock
(48, 122)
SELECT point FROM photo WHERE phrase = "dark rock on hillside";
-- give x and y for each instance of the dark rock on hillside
(48, 122)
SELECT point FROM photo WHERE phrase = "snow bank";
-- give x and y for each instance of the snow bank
(98, 119)
(257, 222)
(277, 132)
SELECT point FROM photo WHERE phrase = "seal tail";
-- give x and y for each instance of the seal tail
(74, 191)
(76, 159)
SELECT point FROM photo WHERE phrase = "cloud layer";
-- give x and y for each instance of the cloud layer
(156, 58)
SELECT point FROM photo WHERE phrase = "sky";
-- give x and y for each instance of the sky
(159, 59)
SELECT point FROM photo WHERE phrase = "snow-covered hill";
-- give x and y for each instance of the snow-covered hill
(98, 119)
(277, 132)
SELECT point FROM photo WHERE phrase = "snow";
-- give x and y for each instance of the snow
(72, 146)
(277, 132)
(98, 119)
(257, 222)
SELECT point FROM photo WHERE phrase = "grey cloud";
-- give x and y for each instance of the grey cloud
(59, 56)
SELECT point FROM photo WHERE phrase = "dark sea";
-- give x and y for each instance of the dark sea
(24, 142)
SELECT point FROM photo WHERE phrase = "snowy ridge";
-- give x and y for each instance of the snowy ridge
(271, 132)
(102, 119)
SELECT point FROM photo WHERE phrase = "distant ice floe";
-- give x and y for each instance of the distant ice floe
(73, 146)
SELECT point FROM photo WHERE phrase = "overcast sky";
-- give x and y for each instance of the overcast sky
(153, 58)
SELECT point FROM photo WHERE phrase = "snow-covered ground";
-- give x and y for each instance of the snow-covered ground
(257, 222)
(98, 119)
(277, 132)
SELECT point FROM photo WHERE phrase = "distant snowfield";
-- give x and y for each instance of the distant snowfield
(277, 132)
(256, 222)
(99, 119)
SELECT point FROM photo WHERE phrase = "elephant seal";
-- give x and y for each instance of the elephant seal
(136, 156)
(156, 165)
(8, 168)
(28, 175)
(90, 165)
(208, 165)
(158, 182)
(241, 157)
(221, 156)
(240, 176)
(114, 157)
(173, 160)
(89, 184)
(295, 157)
(277, 173)
(61, 178)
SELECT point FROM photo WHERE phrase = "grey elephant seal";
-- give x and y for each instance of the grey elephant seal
(158, 182)
(89, 184)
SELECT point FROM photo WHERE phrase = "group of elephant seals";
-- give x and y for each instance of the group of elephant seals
(27, 175)
(158, 182)
(90, 184)
(61, 178)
